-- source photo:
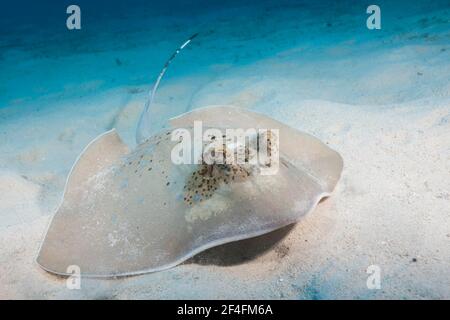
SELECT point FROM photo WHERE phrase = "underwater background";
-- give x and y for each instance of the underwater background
(379, 97)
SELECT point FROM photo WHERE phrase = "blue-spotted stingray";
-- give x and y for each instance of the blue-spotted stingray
(128, 212)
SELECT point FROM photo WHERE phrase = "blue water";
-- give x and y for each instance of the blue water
(125, 43)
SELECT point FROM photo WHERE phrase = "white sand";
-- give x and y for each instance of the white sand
(390, 120)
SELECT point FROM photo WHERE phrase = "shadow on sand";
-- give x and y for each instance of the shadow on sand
(238, 252)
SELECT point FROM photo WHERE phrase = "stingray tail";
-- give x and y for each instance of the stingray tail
(143, 129)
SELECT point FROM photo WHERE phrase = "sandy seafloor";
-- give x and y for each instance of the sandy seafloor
(381, 98)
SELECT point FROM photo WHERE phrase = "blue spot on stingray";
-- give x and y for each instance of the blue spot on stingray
(180, 197)
(114, 218)
(124, 184)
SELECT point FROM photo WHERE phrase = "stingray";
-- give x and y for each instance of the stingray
(128, 212)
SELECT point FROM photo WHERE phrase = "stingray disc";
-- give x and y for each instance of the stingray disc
(134, 212)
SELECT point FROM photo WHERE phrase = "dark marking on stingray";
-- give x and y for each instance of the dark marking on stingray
(207, 179)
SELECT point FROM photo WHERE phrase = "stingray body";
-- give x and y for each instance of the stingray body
(133, 212)
(128, 211)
